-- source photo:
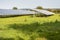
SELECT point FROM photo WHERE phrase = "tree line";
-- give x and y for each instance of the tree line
(40, 7)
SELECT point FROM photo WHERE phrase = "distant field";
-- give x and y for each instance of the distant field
(30, 28)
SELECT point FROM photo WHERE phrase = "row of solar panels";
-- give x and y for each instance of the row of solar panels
(7, 12)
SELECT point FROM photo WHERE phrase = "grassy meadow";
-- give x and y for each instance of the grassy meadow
(30, 28)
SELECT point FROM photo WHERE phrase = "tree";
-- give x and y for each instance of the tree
(15, 8)
(39, 7)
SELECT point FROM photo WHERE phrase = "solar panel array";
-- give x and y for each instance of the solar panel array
(23, 12)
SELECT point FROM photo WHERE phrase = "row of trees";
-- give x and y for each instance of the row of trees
(38, 7)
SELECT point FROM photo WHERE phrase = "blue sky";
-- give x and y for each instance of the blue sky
(9, 4)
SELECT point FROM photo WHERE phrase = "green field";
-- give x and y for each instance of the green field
(30, 28)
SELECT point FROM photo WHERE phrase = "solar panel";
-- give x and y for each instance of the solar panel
(44, 12)
(15, 12)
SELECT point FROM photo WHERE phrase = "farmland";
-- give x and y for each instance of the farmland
(30, 28)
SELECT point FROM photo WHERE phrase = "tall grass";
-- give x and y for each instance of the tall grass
(30, 28)
(51, 30)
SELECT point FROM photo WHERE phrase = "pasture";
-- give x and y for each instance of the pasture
(30, 28)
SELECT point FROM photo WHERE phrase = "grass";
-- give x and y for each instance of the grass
(30, 28)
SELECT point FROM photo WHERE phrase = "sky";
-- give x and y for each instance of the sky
(9, 4)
